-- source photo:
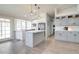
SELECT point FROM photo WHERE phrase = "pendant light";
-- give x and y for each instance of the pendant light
(34, 12)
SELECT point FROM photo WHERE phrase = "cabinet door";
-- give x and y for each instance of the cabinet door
(76, 22)
(73, 36)
(76, 37)
(57, 35)
(70, 36)
(61, 35)
(64, 22)
(64, 35)
(72, 22)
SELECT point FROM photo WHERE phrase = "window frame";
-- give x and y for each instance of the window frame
(19, 24)
(5, 21)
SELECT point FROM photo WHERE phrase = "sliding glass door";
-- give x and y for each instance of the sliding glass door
(20, 26)
(4, 28)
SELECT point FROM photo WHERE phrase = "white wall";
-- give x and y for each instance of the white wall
(49, 26)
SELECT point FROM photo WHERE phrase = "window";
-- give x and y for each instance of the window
(4, 28)
(23, 24)
(29, 25)
(20, 24)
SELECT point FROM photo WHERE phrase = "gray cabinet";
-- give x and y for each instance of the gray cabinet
(61, 35)
(76, 37)
(76, 22)
(70, 36)
(73, 22)
(70, 22)
(58, 35)
(61, 22)
(67, 22)
(64, 22)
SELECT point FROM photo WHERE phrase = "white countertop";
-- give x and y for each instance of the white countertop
(36, 31)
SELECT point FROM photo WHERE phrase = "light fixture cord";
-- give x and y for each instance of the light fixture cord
(31, 8)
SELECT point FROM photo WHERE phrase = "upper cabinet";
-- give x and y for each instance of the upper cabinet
(71, 20)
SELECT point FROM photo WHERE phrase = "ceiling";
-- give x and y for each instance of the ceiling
(19, 10)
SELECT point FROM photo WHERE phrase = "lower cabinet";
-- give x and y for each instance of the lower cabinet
(61, 35)
(76, 37)
(75, 22)
(71, 36)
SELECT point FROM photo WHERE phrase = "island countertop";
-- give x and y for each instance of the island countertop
(36, 31)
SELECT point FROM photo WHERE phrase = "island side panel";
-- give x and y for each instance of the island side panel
(29, 39)
(38, 38)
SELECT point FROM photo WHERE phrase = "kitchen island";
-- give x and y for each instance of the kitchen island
(34, 37)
